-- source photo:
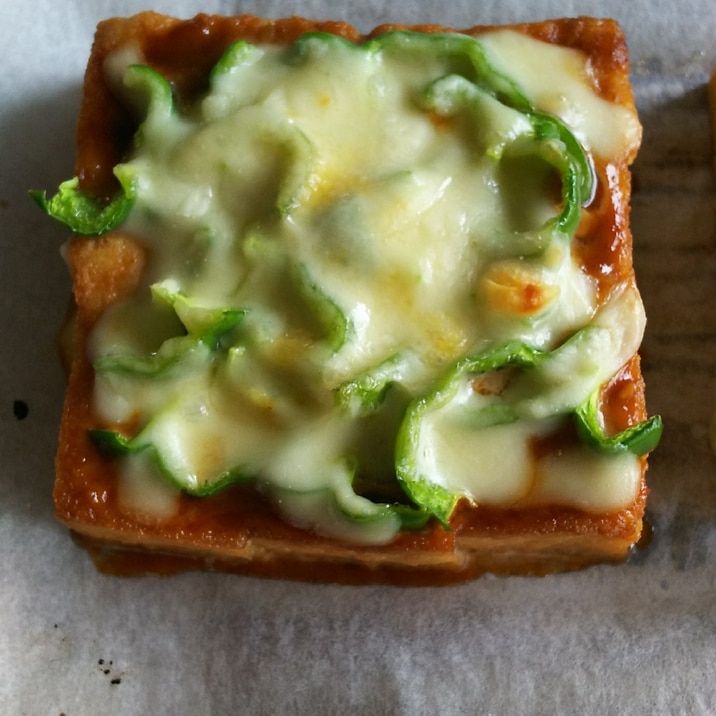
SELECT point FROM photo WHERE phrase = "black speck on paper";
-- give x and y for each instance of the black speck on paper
(106, 667)
(20, 409)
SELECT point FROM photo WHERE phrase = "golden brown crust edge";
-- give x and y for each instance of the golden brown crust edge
(517, 542)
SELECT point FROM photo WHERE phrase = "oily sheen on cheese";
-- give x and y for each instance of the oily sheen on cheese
(362, 290)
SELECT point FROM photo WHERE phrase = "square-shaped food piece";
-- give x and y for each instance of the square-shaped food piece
(353, 308)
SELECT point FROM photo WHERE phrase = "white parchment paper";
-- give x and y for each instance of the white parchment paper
(633, 639)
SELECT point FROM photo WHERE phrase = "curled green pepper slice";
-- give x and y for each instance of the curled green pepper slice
(205, 328)
(365, 393)
(116, 445)
(238, 54)
(484, 77)
(639, 439)
(207, 325)
(335, 325)
(530, 133)
(354, 514)
(503, 408)
(423, 491)
(150, 95)
(83, 214)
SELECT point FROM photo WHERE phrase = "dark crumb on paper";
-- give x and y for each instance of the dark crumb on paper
(106, 668)
(4, 203)
(20, 409)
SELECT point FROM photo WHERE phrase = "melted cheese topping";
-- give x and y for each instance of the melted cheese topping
(364, 234)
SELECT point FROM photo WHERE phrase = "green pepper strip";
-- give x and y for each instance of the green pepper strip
(151, 96)
(363, 511)
(82, 214)
(181, 353)
(207, 325)
(434, 498)
(238, 54)
(335, 325)
(301, 159)
(114, 444)
(549, 139)
(364, 394)
(205, 329)
(505, 90)
(440, 501)
(639, 439)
